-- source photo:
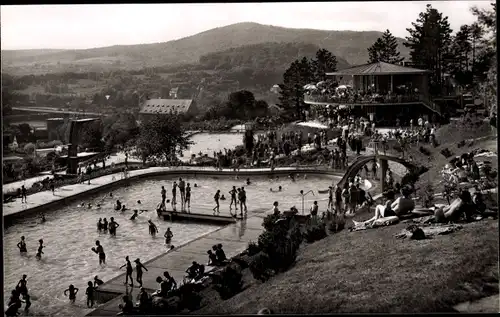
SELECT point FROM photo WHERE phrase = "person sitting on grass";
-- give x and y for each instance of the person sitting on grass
(163, 291)
(381, 211)
(404, 204)
(462, 205)
(221, 255)
(127, 308)
(212, 259)
(193, 270)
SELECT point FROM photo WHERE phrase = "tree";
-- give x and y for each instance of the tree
(385, 49)
(119, 129)
(430, 45)
(91, 135)
(161, 138)
(324, 62)
(292, 92)
(240, 104)
(462, 49)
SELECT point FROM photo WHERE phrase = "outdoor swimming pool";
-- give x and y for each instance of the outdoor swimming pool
(207, 143)
(70, 232)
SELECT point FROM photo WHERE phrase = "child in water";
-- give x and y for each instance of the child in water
(105, 224)
(152, 228)
(99, 224)
(100, 251)
(40, 248)
(112, 226)
(22, 246)
(72, 293)
(90, 294)
(168, 236)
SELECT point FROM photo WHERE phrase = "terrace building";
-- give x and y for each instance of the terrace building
(154, 107)
(379, 91)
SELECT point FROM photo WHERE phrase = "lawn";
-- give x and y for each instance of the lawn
(371, 271)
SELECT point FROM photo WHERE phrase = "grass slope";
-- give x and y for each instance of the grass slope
(350, 45)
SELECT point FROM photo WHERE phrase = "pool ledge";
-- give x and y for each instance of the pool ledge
(45, 200)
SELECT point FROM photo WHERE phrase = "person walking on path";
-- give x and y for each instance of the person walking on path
(138, 269)
(24, 195)
(129, 271)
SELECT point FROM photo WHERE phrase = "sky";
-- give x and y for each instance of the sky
(88, 26)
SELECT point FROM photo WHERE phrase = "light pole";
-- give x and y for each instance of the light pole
(303, 195)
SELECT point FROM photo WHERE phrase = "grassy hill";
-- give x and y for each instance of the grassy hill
(350, 45)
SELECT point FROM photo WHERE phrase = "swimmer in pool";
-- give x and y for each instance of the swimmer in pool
(279, 188)
(111, 195)
(222, 197)
(168, 236)
(105, 224)
(248, 181)
(152, 228)
(89, 206)
(22, 286)
(292, 177)
(112, 226)
(99, 224)
(134, 215)
(22, 246)
(100, 251)
(118, 205)
(40, 250)
(123, 208)
(195, 185)
(72, 293)
(42, 218)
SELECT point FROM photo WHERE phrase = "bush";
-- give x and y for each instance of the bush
(446, 152)
(228, 283)
(253, 248)
(259, 266)
(269, 222)
(424, 151)
(337, 224)
(29, 148)
(315, 233)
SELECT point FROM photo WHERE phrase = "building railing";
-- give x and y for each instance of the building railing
(368, 100)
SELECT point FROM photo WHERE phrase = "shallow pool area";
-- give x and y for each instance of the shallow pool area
(70, 232)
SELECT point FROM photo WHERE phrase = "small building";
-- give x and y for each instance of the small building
(275, 89)
(153, 107)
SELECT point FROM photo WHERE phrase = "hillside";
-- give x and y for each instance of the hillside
(350, 45)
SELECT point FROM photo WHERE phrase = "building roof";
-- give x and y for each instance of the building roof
(164, 106)
(379, 68)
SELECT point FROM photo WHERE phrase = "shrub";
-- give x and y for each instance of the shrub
(446, 152)
(269, 222)
(424, 151)
(253, 248)
(259, 266)
(228, 283)
(336, 224)
(315, 233)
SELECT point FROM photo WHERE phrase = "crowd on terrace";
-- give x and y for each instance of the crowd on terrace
(331, 91)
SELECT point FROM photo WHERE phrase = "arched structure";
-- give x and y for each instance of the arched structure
(358, 164)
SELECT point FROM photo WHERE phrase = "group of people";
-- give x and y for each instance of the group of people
(185, 195)
(238, 197)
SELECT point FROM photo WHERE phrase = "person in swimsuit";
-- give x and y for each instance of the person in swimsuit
(233, 192)
(100, 251)
(217, 205)
(22, 246)
(188, 197)
(90, 294)
(22, 286)
(118, 205)
(168, 236)
(134, 215)
(174, 194)
(24, 195)
(221, 255)
(138, 268)
(40, 250)
(212, 259)
(105, 224)
(170, 280)
(123, 208)
(243, 200)
(153, 230)
(129, 271)
(99, 224)
(248, 181)
(97, 281)
(42, 218)
(163, 195)
(72, 293)
(182, 189)
(112, 226)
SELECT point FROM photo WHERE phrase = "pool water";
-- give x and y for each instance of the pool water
(207, 143)
(70, 232)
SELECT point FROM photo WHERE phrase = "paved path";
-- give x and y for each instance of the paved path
(234, 238)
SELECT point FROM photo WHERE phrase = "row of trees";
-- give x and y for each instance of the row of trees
(466, 55)
(239, 105)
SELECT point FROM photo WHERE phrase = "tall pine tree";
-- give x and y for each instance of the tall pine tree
(385, 49)
(324, 62)
(295, 78)
(430, 45)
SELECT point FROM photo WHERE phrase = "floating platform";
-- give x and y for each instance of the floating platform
(172, 215)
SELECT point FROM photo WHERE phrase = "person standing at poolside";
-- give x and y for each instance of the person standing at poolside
(138, 269)
(216, 198)
(129, 271)
(233, 193)
(163, 196)
(243, 200)
(188, 197)
(24, 195)
(330, 198)
(174, 194)
(182, 189)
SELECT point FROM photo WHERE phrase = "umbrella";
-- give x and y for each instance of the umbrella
(342, 87)
(320, 83)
